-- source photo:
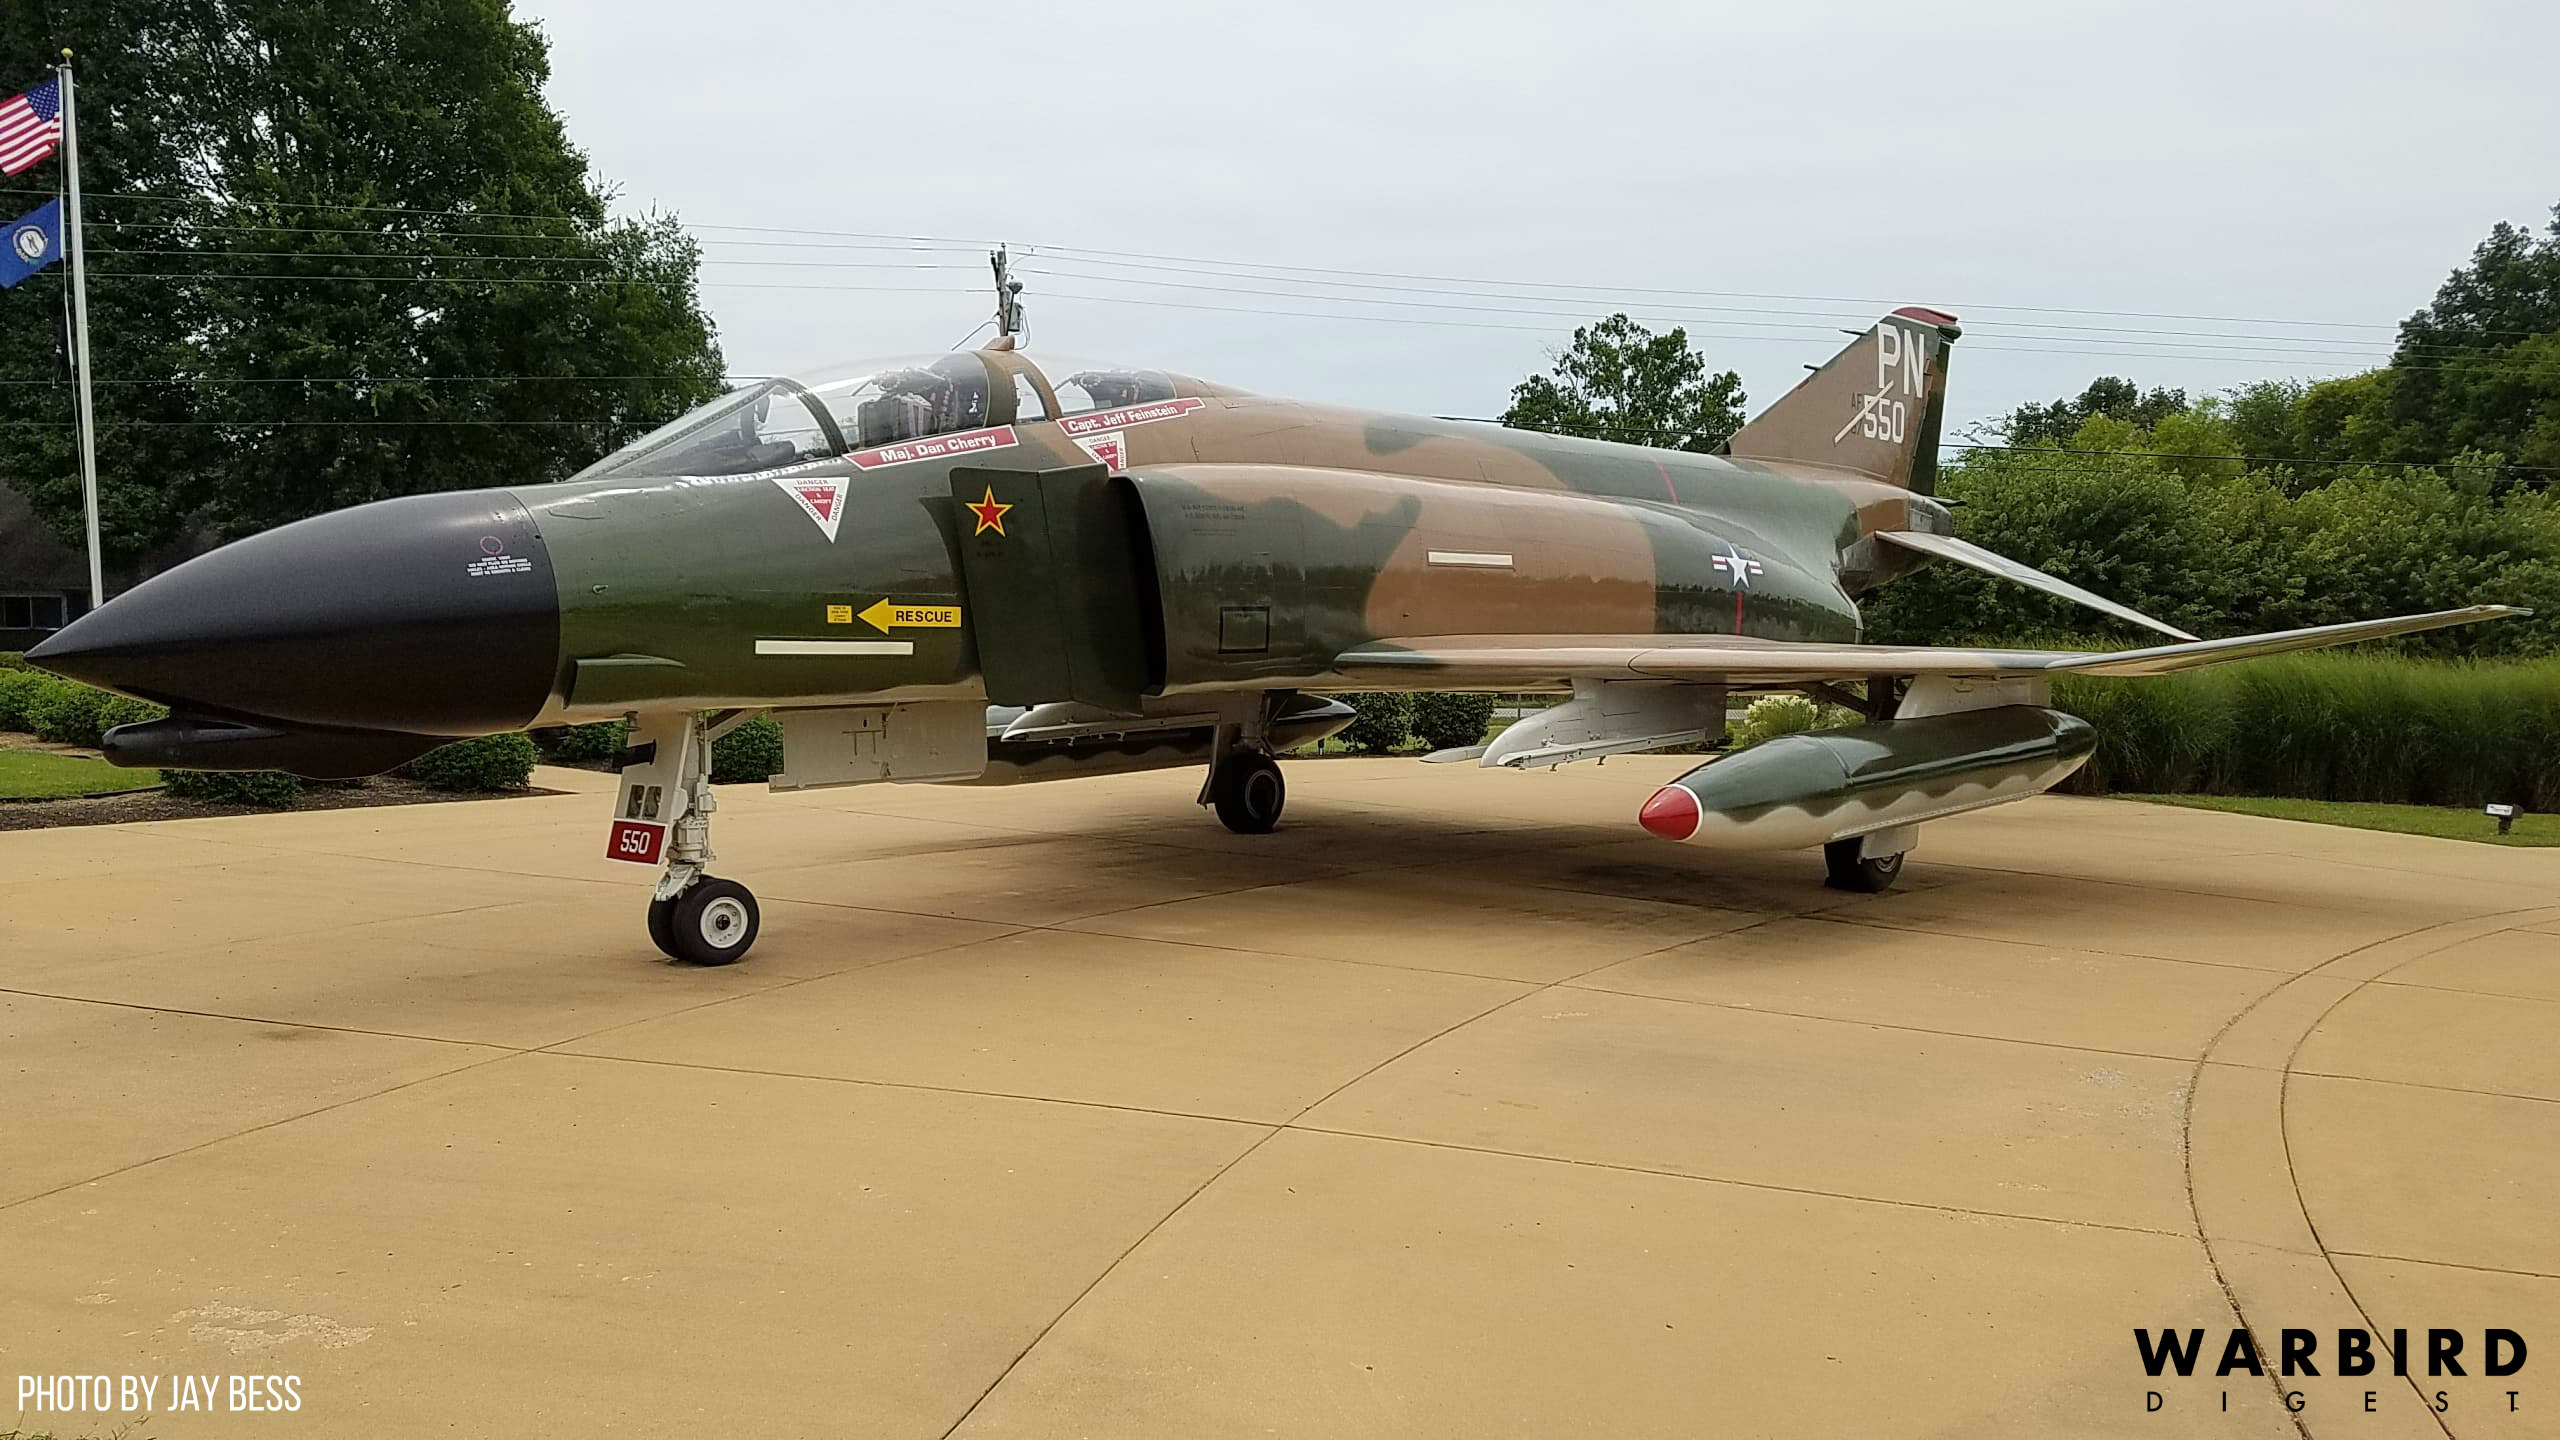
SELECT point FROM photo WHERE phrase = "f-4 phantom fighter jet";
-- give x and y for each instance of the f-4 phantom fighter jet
(994, 567)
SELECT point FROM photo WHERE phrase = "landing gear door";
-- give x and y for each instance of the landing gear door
(1059, 579)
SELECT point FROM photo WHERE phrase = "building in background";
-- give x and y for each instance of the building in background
(44, 579)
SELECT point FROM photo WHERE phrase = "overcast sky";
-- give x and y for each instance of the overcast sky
(1812, 164)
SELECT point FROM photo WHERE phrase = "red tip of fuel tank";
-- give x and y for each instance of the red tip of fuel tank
(1672, 813)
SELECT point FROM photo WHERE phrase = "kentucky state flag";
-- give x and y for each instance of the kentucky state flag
(34, 241)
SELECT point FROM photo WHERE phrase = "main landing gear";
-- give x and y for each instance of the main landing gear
(1244, 783)
(1248, 792)
(663, 812)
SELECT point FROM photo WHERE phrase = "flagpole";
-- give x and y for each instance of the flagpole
(80, 341)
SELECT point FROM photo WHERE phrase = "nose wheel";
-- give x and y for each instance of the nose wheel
(712, 923)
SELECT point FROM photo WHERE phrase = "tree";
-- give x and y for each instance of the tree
(2220, 549)
(342, 250)
(2479, 368)
(1620, 381)
(2111, 396)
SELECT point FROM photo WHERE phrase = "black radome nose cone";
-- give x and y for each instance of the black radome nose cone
(434, 614)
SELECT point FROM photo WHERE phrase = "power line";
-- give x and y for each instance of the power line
(1100, 255)
(2485, 366)
(504, 280)
(394, 380)
(1574, 314)
(623, 423)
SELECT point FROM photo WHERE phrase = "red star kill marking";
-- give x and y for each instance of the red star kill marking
(990, 514)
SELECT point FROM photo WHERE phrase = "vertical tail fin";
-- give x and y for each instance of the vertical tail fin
(1874, 410)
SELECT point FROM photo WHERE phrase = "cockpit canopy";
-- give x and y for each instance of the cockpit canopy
(789, 420)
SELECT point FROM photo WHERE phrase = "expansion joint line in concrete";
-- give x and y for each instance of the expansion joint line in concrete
(1265, 1138)
(2238, 1197)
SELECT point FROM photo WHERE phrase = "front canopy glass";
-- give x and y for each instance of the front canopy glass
(791, 419)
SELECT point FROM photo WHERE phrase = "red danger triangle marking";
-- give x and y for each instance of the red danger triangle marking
(821, 500)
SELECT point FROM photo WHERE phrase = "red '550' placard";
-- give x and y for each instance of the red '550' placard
(636, 842)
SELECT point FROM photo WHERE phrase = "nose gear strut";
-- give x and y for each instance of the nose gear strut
(663, 811)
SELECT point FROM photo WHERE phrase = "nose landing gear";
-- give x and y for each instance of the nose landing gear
(663, 811)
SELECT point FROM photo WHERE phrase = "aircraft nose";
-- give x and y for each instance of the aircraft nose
(435, 614)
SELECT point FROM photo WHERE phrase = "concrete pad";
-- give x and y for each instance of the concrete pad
(1028, 881)
(78, 1111)
(1417, 1293)
(2286, 1289)
(521, 974)
(2499, 1044)
(1179, 1028)
(1427, 920)
(2402, 1172)
(2523, 963)
(1838, 969)
(1762, 883)
(125, 911)
(1902, 1164)
(1819, 1105)
(2128, 919)
(2404, 1294)
(553, 1241)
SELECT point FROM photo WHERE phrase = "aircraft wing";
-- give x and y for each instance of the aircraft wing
(1498, 662)
(1965, 552)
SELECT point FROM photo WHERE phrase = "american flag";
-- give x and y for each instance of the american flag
(30, 127)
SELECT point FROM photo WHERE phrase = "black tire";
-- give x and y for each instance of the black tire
(1849, 872)
(1249, 793)
(662, 926)
(712, 923)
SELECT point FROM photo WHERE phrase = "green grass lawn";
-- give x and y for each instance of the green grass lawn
(2445, 821)
(38, 775)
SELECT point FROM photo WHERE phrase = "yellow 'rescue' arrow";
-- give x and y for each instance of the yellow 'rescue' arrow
(888, 615)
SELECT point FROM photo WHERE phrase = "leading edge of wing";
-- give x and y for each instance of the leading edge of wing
(2165, 659)
(1497, 661)
(1991, 562)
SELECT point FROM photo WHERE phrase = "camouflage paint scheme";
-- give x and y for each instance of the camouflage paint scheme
(1317, 526)
(1798, 791)
(984, 527)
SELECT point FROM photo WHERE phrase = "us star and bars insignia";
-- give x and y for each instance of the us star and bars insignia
(1738, 566)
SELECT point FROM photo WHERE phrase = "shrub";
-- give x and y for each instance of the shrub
(1446, 722)
(586, 744)
(266, 788)
(12, 660)
(2329, 727)
(490, 762)
(66, 713)
(1771, 716)
(1383, 721)
(18, 691)
(752, 752)
(125, 710)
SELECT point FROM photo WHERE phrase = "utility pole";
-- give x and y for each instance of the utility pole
(1008, 297)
